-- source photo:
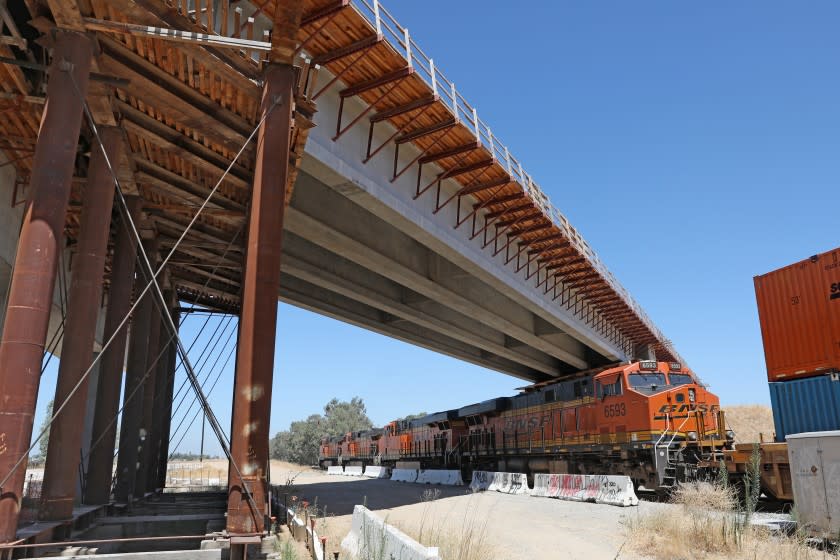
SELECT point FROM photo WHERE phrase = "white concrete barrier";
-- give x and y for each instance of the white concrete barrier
(335, 470)
(352, 471)
(435, 476)
(481, 480)
(404, 475)
(371, 537)
(299, 526)
(372, 471)
(599, 488)
(506, 483)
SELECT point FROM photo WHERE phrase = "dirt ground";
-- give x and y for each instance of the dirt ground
(512, 527)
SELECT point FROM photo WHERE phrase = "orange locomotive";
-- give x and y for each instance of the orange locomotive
(652, 421)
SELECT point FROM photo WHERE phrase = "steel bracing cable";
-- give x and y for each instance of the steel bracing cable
(197, 412)
(226, 321)
(123, 208)
(227, 343)
(207, 377)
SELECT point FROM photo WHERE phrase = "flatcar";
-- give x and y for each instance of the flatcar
(652, 421)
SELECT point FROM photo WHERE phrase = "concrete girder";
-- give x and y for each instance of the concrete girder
(332, 272)
(313, 298)
(369, 242)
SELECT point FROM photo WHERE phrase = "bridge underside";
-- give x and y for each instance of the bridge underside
(342, 259)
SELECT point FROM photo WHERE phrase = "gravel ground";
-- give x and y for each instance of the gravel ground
(514, 527)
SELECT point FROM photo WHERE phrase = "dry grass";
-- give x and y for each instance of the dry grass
(748, 421)
(706, 526)
(458, 539)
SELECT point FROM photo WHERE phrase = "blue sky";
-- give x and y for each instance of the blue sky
(694, 145)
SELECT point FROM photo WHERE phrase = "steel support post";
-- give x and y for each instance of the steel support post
(258, 320)
(63, 452)
(171, 367)
(144, 323)
(104, 432)
(31, 291)
(147, 397)
(161, 401)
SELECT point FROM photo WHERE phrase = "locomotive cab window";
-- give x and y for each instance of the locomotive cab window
(680, 379)
(607, 387)
(647, 380)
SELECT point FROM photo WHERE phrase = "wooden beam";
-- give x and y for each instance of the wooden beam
(347, 50)
(214, 170)
(321, 13)
(152, 172)
(425, 131)
(208, 274)
(284, 32)
(171, 135)
(451, 152)
(377, 82)
(66, 14)
(404, 108)
(171, 96)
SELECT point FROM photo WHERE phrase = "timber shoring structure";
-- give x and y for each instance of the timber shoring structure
(178, 89)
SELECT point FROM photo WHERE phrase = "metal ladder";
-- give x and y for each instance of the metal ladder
(669, 476)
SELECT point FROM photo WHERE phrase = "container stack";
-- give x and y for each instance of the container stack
(799, 312)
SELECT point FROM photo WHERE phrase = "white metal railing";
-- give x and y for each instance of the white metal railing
(400, 40)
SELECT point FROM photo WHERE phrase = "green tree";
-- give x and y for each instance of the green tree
(342, 417)
(44, 442)
(299, 444)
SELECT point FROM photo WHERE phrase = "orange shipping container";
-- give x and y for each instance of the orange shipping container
(799, 312)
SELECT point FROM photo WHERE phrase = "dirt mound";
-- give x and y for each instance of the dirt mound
(750, 422)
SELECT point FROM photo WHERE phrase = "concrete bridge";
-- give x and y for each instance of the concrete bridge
(306, 149)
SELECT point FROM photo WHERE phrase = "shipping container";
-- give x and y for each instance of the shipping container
(815, 472)
(806, 405)
(799, 312)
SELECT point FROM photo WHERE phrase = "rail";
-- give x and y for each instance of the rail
(399, 38)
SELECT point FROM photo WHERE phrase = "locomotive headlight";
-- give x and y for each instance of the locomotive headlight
(730, 435)
(692, 436)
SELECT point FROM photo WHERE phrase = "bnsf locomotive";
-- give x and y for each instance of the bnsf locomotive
(651, 421)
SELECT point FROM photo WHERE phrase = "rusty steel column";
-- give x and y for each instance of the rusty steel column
(146, 395)
(146, 466)
(104, 432)
(144, 323)
(63, 452)
(166, 415)
(33, 280)
(161, 402)
(258, 320)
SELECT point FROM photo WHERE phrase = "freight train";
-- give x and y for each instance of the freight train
(652, 421)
